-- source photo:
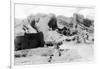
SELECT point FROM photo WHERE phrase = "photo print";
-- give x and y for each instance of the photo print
(45, 34)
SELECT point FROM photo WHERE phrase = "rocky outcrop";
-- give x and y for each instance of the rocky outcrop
(77, 28)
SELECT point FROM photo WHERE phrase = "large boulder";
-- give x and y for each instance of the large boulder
(29, 40)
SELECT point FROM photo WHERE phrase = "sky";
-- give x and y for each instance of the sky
(22, 11)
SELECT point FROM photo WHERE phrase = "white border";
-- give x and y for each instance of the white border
(12, 38)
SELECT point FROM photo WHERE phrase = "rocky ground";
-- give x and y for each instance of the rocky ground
(72, 53)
